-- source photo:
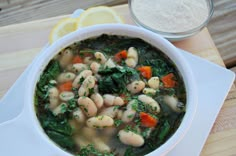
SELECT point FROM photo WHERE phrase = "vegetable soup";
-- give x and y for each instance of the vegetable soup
(110, 95)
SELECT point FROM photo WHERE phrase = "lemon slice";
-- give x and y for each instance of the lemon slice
(63, 27)
(98, 15)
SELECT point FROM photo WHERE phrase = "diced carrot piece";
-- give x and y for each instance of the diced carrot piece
(67, 86)
(146, 71)
(77, 59)
(169, 80)
(120, 55)
(147, 120)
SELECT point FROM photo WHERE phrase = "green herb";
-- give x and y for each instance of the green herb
(81, 80)
(90, 150)
(116, 107)
(130, 116)
(85, 109)
(100, 117)
(146, 132)
(135, 105)
(118, 122)
(132, 129)
(91, 91)
(76, 93)
(71, 105)
(63, 108)
(129, 152)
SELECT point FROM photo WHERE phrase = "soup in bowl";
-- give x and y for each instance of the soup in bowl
(113, 90)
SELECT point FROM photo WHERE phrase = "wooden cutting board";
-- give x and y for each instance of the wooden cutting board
(20, 43)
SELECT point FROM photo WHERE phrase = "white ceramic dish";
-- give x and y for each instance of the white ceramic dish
(210, 99)
(28, 116)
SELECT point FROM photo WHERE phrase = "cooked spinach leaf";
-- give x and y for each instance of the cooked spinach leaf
(159, 67)
(50, 73)
(57, 129)
(62, 140)
(114, 80)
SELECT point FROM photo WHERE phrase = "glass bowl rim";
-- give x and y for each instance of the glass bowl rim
(174, 34)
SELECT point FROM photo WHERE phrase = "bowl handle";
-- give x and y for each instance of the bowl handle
(20, 137)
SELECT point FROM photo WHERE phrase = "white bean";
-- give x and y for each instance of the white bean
(130, 62)
(65, 77)
(111, 100)
(154, 82)
(130, 138)
(66, 95)
(119, 114)
(88, 84)
(69, 68)
(100, 56)
(95, 67)
(88, 106)
(66, 57)
(88, 60)
(172, 102)
(97, 99)
(132, 57)
(100, 145)
(78, 67)
(79, 115)
(95, 88)
(109, 64)
(109, 111)
(101, 121)
(59, 109)
(53, 97)
(151, 102)
(83, 91)
(132, 53)
(149, 91)
(84, 74)
(129, 114)
(136, 87)
(81, 141)
(118, 101)
(108, 99)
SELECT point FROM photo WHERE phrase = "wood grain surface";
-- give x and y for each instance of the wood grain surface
(223, 29)
(20, 43)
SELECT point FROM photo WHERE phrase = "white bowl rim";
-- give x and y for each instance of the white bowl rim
(115, 29)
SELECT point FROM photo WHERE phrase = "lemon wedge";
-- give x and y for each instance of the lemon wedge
(98, 15)
(63, 27)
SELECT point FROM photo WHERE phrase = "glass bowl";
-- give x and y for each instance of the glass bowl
(175, 36)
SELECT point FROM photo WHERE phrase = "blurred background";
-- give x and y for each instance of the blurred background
(222, 26)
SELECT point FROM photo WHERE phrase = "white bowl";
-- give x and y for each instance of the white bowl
(112, 29)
